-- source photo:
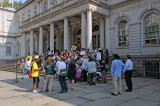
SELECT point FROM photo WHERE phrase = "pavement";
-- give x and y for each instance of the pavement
(146, 92)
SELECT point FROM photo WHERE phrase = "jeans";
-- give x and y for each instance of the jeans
(27, 71)
(63, 83)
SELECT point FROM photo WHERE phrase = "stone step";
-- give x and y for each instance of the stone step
(11, 68)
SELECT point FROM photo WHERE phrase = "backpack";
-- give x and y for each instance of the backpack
(63, 72)
(107, 67)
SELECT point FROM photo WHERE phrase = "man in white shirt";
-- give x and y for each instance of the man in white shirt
(128, 73)
(99, 56)
(57, 65)
(62, 80)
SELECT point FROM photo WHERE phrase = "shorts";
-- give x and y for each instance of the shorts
(35, 80)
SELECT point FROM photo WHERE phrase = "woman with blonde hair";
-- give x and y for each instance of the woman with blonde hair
(72, 72)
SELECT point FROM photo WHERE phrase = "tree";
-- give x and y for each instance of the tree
(15, 4)
(20, 3)
(6, 3)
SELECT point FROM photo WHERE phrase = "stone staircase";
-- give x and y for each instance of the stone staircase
(12, 68)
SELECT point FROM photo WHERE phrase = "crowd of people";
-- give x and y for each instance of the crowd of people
(87, 66)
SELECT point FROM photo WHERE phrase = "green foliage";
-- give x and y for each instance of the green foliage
(15, 4)
(7, 4)
(20, 3)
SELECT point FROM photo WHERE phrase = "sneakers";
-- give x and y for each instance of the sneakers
(34, 91)
(38, 90)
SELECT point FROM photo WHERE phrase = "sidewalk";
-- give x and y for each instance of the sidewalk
(146, 92)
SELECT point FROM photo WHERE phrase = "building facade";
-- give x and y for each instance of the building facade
(121, 26)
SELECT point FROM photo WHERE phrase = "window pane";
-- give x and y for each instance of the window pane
(151, 27)
(123, 32)
(8, 50)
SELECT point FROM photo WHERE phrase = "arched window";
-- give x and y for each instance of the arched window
(79, 32)
(54, 2)
(123, 33)
(95, 28)
(8, 49)
(55, 36)
(152, 35)
(46, 5)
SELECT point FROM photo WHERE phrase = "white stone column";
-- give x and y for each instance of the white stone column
(31, 43)
(70, 37)
(40, 40)
(89, 29)
(107, 26)
(48, 4)
(37, 43)
(101, 32)
(48, 39)
(83, 29)
(40, 6)
(24, 44)
(57, 40)
(66, 33)
(52, 37)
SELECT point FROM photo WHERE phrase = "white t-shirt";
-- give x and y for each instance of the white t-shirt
(28, 63)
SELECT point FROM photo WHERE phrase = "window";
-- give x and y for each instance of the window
(55, 36)
(152, 69)
(152, 35)
(29, 15)
(8, 49)
(35, 10)
(46, 5)
(79, 32)
(123, 33)
(54, 2)
(95, 28)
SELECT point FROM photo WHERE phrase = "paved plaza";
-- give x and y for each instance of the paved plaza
(146, 93)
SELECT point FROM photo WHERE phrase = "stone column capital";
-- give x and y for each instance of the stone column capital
(52, 22)
(83, 10)
(65, 17)
(91, 9)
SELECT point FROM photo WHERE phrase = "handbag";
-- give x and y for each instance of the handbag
(106, 67)
(63, 72)
(30, 74)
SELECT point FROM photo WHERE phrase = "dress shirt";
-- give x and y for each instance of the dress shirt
(117, 67)
(84, 64)
(129, 65)
(61, 66)
(98, 56)
(57, 64)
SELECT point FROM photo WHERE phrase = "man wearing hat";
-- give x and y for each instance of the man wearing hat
(35, 74)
